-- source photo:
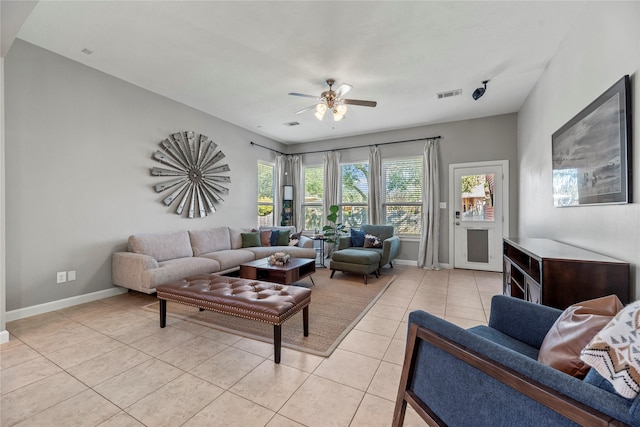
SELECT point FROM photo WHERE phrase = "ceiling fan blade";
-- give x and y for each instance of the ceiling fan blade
(342, 90)
(303, 95)
(359, 102)
(306, 109)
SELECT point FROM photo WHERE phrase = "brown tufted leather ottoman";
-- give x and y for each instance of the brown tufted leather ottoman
(251, 299)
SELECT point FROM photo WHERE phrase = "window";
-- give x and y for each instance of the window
(354, 184)
(402, 199)
(313, 196)
(265, 194)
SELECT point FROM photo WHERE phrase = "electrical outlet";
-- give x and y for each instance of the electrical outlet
(61, 276)
(71, 275)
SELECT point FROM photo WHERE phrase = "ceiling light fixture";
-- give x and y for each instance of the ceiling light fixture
(477, 94)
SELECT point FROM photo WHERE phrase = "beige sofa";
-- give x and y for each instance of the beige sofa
(157, 258)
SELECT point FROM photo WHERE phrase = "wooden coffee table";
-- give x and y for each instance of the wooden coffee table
(293, 271)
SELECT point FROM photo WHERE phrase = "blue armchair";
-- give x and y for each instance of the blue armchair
(490, 376)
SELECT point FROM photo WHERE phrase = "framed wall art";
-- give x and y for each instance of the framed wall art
(591, 153)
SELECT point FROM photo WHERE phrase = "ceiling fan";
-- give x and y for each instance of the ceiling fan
(333, 100)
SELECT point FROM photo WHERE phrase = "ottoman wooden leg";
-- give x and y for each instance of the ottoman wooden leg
(163, 313)
(365, 279)
(332, 273)
(277, 342)
(305, 320)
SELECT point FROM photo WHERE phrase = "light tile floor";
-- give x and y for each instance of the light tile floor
(107, 363)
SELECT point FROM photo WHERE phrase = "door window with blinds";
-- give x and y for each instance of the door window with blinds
(402, 199)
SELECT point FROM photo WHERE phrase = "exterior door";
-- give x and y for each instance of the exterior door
(478, 215)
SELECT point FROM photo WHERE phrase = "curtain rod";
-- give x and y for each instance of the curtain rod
(347, 148)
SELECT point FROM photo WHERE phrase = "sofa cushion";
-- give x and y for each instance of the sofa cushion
(357, 238)
(175, 269)
(573, 330)
(294, 251)
(303, 242)
(382, 231)
(211, 240)
(505, 340)
(613, 352)
(250, 240)
(162, 246)
(235, 236)
(265, 238)
(231, 258)
(356, 256)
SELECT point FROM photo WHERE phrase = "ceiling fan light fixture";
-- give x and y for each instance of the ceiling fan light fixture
(320, 110)
(339, 112)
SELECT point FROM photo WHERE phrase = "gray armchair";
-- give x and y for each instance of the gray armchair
(490, 375)
(390, 243)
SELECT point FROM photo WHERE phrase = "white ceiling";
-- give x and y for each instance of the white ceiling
(238, 60)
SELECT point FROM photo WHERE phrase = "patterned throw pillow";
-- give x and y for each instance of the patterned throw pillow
(614, 351)
(371, 241)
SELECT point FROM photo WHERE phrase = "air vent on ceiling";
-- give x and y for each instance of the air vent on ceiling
(291, 124)
(449, 94)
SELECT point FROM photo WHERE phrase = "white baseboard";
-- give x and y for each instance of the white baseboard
(415, 263)
(4, 337)
(34, 310)
(405, 262)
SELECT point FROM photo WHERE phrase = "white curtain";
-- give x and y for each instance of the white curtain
(278, 182)
(375, 186)
(295, 179)
(428, 252)
(331, 182)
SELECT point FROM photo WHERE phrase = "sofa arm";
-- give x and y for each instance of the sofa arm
(522, 320)
(127, 268)
(390, 250)
(461, 376)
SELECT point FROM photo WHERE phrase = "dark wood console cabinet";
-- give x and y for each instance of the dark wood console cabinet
(555, 274)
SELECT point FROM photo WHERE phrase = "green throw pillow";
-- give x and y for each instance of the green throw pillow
(250, 240)
(283, 238)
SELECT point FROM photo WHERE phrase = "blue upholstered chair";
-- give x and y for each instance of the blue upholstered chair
(490, 376)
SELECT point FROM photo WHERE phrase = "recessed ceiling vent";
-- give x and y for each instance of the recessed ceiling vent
(291, 124)
(449, 94)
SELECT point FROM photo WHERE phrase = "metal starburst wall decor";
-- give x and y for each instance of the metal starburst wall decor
(196, 164)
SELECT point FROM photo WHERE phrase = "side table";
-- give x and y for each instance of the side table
(318, 245)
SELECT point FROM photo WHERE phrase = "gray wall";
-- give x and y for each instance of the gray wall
(78, 154)
(602, 46)
(491, 138)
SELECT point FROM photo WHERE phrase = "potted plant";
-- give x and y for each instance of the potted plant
(334, 230)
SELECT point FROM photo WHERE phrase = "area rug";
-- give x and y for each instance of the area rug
(337, 305)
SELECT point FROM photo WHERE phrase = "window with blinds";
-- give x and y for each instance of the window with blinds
(354, 194)
(265, 194)
(313, 196)
(402, 198)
